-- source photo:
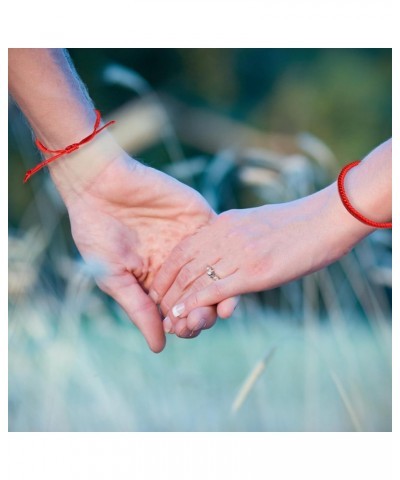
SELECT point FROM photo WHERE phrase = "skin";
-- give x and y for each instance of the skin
(129, 220)
(262, 248)
(123, 215)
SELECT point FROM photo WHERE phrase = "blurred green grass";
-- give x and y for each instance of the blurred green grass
(93, 374)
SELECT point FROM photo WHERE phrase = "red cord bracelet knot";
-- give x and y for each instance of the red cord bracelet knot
(68, 149)
(72, 148)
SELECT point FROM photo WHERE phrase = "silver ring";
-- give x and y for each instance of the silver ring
(211, 273)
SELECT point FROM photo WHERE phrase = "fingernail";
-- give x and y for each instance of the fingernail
(167, 324)
(178, 309)
(154, 296)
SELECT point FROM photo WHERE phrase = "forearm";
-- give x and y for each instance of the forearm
(60, 112)
(50, 94)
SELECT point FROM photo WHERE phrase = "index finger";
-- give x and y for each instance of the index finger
(165, 277)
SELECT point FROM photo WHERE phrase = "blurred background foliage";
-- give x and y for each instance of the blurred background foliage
(244, 127)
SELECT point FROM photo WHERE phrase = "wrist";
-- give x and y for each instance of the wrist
(341, 231)
(369, 201)
(75, 173)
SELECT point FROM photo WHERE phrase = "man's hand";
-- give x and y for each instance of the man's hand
(129, 219)
(124, 215)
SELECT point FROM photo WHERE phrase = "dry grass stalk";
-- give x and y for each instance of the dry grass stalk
(251, 380)
(346, 401)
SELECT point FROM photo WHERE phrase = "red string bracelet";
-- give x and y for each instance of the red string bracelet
(67, 150)
(348, 205)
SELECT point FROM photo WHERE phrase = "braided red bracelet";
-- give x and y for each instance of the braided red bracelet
(67, 150)
(347, 204)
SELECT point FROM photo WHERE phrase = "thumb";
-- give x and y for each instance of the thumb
(143, 312)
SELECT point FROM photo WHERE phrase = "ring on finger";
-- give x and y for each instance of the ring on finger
(211, 273)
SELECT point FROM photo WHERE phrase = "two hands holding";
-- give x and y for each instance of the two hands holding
(170, 262)
(156, 237)
(130, 219)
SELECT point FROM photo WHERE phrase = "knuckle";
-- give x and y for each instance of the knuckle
(162, 273)
(218, 290)
(229, 219)
(145, 307)
(184, 277)
(226, 217)
(193, 301)
(159, 283)
(165, 306)
(179, 253)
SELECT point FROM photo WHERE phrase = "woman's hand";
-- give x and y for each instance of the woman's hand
(255, 249)
(128, 220)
